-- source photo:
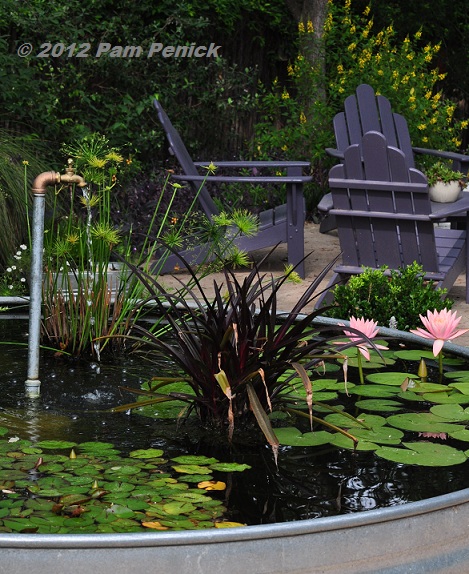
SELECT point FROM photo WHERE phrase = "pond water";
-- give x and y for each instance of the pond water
(308, 483)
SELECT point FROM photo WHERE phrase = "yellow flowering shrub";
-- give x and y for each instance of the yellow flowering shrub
(403, 71)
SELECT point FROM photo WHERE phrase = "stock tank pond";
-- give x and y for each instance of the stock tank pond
(83, 488)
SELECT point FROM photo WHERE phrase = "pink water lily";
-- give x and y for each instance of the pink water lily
(441, 326)
(369, 328)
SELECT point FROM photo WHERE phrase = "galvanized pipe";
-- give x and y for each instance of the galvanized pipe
(40, 184)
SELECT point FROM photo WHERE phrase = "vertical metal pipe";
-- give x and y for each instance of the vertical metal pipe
(33, 383)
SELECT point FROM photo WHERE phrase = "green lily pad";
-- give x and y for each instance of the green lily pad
(423, 454)
(229, 466)
(380, 435)
(461, 387)
(56, 444)
(379, 405)
(146, 453)
(420, 422)
(444, 398)
(462, 435)
(176, 508)
(390, 378)
(414, 354)
(194, 459)
(341, 441)
(374, 391)
(372, 421)
(461, 376)
(291, 436)
(192, 469)
(411, 396)
(451, 412)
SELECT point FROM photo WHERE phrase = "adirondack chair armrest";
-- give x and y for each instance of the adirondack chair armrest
(245, 179)
(255, 164)
(452, 209)
(460, 160)
(335, 153)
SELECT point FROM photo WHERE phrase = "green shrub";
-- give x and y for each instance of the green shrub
(380, 294)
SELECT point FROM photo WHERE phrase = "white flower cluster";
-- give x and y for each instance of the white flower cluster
(15, 273)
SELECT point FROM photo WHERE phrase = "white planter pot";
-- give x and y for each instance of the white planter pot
(115, 278)
(445, 192)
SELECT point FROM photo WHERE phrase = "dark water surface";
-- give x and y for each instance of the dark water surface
(308, 483)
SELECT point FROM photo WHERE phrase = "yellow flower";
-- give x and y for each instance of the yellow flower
(464, 124)
(25, 162)
(310, 27)
(211, 168)
(89, 201)
(422, 127)
(73, 238)
(301, 28)
(418, 34)
(290, 70)
(285, 94)
(284, 148)
(97, 162)
(302, 118)
(366, 11)
(114, 156)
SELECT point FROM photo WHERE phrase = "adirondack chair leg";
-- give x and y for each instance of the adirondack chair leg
(296, 223)
(467, 258)
(327, 296)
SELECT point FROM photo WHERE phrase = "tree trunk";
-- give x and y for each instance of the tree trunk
(307, 13)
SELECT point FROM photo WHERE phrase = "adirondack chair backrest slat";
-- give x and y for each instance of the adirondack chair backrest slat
(179, 150)
(403, 233)
(364, 112)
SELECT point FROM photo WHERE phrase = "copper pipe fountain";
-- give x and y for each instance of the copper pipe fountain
(40, 185)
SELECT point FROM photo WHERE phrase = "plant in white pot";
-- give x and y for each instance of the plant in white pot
(444, 183)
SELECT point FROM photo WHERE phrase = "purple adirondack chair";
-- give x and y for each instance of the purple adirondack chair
(283, 224)
(364, 111)
(384, 216)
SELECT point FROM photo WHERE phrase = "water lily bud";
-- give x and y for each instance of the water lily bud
(422, 371)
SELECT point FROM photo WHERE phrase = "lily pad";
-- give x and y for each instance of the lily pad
(423, 454)
(146, 453)
(390, 378)
(461, 387)
(414, 354)
(291, 436)
(420, 422)
(56, 444)
(461, 376)
(451, 412)
(341, 441)
(380, 435)
(444, 398)
(375, 391)
(379, 405)
(229, 466)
